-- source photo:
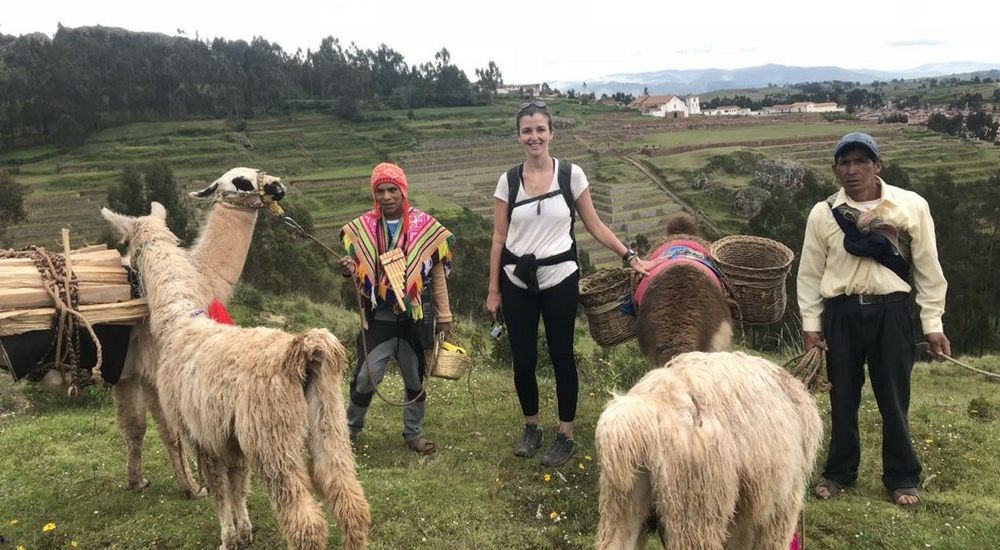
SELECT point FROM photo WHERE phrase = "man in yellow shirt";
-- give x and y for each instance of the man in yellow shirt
(865, 249)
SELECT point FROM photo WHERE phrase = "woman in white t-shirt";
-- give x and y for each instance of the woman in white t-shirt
(534, 274)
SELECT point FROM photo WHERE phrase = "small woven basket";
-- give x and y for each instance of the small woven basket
(448, 364)
(754, 271)
(602, 294)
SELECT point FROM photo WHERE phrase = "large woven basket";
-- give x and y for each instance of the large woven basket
(754, 270)
(448, 363)
(602, 295)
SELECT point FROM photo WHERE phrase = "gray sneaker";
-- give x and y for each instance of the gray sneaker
(559, 452)
(531, 440)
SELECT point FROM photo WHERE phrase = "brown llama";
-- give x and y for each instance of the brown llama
(218, 254)
(681, 305)
(248, 399)
(716, 447)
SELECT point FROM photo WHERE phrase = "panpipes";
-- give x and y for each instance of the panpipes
(394, 264)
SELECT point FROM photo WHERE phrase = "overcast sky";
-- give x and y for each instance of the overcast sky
(559, 40)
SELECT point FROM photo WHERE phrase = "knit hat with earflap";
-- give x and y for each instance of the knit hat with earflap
(388, 172)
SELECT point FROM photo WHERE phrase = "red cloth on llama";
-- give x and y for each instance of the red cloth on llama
(217, 312)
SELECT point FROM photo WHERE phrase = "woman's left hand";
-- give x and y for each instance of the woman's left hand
(645, 266)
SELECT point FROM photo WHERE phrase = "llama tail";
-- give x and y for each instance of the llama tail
(332, 468)
(623, 435)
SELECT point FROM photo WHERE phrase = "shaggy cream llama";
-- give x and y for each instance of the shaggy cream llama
(218, 254)
(249, 399)
(680, 306)
(716, 447)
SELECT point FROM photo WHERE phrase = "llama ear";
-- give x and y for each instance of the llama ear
(124, 225)
(206, 192)
(157, 210)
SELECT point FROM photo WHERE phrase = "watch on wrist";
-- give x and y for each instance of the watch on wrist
(628, 256)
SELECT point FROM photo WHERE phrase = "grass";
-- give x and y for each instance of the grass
(62, 462)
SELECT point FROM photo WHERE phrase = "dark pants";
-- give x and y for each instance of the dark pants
(882, 334)
(557, 308)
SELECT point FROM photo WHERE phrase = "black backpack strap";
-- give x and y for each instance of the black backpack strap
(513, 184)
(564, 177)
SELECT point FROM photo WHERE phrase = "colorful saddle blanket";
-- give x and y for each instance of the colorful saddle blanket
(677, 253)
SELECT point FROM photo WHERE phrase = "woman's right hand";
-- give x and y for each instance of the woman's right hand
(493, 304)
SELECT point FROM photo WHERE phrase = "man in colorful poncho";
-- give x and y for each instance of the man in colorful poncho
(401, 326)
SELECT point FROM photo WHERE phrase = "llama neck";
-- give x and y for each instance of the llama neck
(174, 287)
(221, 250)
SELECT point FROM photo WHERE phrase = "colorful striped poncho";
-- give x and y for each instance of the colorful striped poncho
(425, 243)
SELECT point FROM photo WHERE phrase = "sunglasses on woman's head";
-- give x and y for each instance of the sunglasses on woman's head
(537, 103)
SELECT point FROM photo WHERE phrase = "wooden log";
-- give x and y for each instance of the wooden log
(29, 277)
(20, 298)
(91, 255)
(132, 312)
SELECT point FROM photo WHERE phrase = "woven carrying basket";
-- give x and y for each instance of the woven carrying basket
(602, 294)
(444, 363)
(754, 269)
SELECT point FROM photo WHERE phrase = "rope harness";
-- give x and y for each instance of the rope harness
(62, 287)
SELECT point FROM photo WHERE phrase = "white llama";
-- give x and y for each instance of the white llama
(248, 399)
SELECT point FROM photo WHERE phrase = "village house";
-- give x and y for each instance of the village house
(729, 110)
(666, 105)
(802, 107)
(524, 90)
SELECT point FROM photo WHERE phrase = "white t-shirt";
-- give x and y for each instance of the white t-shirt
(542, 227)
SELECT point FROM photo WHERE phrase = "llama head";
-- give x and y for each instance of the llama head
(137, 232)
(245, 188)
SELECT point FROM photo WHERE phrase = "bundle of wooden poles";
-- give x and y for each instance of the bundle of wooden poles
(35, 284)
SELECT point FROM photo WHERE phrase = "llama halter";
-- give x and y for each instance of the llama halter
(245, 199)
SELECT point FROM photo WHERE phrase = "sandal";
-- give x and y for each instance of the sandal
(421, 445)
(827, 489)
(901, 492)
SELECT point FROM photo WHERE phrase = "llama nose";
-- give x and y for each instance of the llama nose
(274, 190)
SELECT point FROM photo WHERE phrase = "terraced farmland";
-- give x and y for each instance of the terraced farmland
(453, 158)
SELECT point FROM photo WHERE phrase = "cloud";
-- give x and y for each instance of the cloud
(911, 43)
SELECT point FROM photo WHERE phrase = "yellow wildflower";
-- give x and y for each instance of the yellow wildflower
(553, 515)
(582, 467)
(13, 522)
(48, 527)
(74, 544)
(587, 458)
(547, 478)
(20, 547)
(928, 441)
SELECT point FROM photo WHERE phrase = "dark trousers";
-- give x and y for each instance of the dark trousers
(557, 308)
(882, 334)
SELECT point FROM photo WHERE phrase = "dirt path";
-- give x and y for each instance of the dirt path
(701, 217)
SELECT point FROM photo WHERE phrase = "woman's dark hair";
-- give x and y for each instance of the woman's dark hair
(532, 109)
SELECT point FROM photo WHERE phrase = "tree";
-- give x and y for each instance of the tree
(489, 78)
(68, 133)
(11, 204)
(162, 188)
(130, 196)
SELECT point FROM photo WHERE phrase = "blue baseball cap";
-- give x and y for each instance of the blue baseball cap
(856, 138)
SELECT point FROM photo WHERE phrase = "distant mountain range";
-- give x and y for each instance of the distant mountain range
(697, 81)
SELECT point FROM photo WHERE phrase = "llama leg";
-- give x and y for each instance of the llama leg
(130, 409)
(172, 442)
(216, 474)
(283, 474)
(704, 513)
(239, 480)
(623, 516)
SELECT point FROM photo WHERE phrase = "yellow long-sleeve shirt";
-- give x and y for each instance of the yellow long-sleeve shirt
(827, 270)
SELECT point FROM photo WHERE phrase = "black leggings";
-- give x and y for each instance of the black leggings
(557, 308)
